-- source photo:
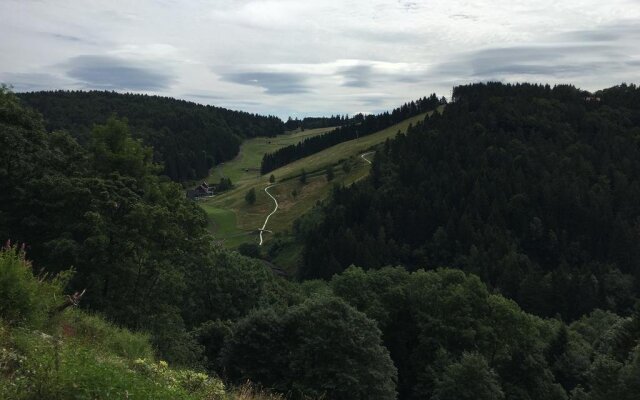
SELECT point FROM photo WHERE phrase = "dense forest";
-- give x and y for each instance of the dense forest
(97, 216)
(316, 122)
(187, 138)
(358, 126)
(534, 189)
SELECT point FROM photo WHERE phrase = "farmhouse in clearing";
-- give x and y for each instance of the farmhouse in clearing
(202, 190)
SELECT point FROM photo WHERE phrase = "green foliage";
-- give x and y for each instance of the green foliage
(610, 345)
(188, 138)
(430, 319)
(346, 166)
(322, 347)
(114, 150)
(532, 188)
(196, 383)
(249, 250)
(130, 236)
(25, 300)
(329, 173)
(225, 184)
(250, 197)
(212, 335)
(231, 286)
(469, 379)
(303, 176)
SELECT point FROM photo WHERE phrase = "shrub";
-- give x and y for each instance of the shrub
(195, 383)
(24, 299)
(250, 197)
(249, 250)
(322, 347)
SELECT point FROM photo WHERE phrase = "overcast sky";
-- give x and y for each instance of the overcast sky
(303, 57)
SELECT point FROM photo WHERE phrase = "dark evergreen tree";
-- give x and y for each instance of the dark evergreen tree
(250, 197)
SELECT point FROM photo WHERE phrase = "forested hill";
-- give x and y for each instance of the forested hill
(187, 138)
(535, 189)
(358, 126)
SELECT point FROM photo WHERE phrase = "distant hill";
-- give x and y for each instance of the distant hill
(188, 138)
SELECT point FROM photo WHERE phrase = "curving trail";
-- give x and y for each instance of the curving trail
(266, 190)
(364, 154)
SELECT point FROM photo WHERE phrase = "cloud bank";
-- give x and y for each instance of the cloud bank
(288, 57)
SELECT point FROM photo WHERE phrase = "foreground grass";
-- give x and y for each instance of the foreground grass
(48, 352)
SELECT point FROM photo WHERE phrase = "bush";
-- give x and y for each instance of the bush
(322, 347)
(330, 174)
(24, 299)
(249, 250)
(250, 197)
(192, 382)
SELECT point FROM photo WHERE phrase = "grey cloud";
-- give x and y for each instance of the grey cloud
(273, 82)
(68, 38)
(464, 16)
(392, 37)
(372, 101)
(559, 60)
(606, 33)
(364, 76)
(26, 82)
(116, 73)
(358, 76)
(204, 96)
(537, 53)
(409, 5)
(530, 69)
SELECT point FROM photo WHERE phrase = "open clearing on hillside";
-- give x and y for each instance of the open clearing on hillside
(246, 165)
(293, 197)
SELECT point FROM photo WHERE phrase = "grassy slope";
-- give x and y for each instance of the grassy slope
(246, 166)
(234, 222)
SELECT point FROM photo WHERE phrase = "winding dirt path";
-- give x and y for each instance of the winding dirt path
(364, 154)
(266, 190)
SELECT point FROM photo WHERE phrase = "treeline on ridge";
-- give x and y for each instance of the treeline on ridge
(187, 138)
(360, 125)
(534, 189)
(316, 122)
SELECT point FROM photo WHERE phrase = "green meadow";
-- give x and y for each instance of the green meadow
(234, 222)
